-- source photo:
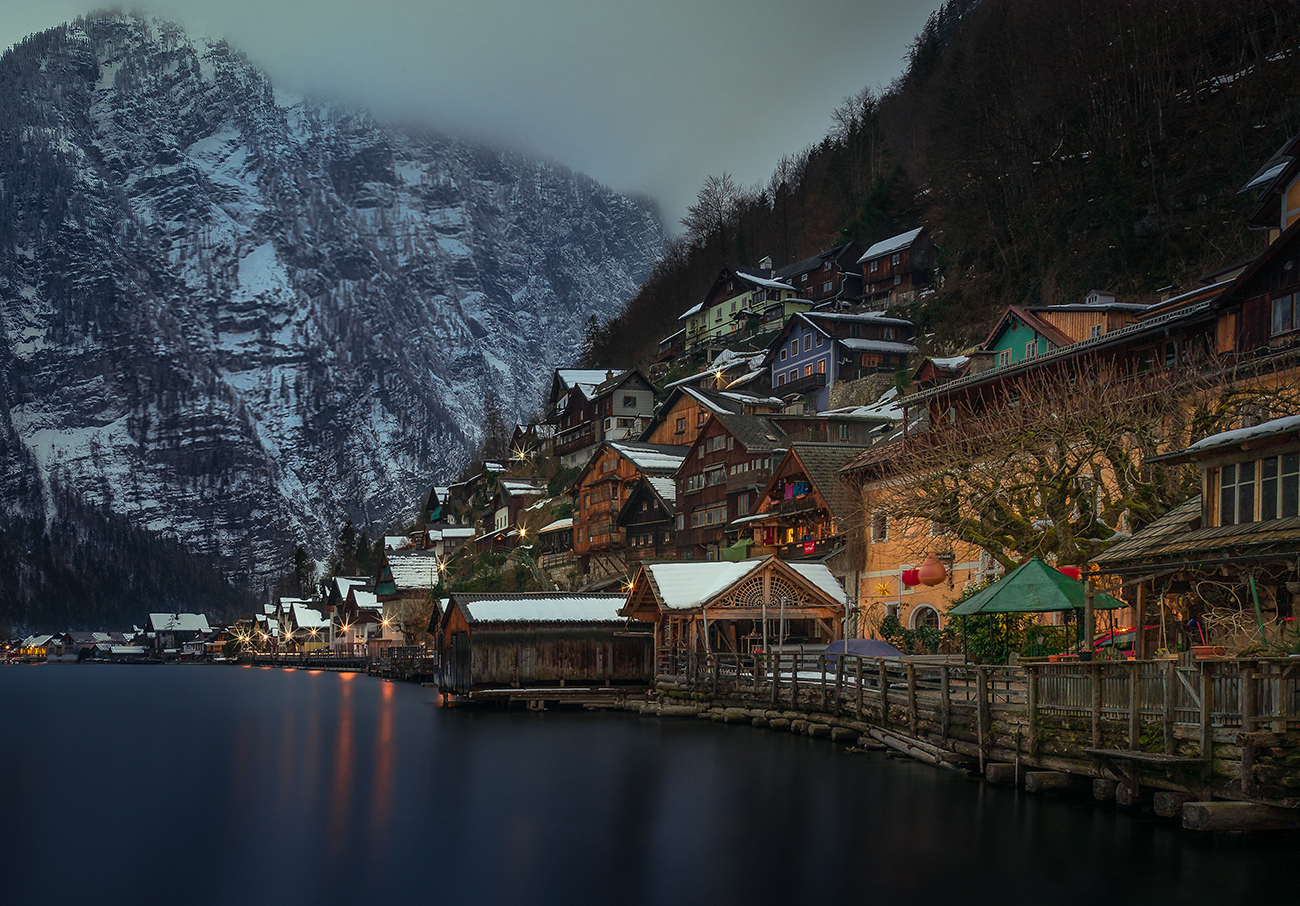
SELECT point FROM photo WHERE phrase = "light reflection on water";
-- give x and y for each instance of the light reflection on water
(292, 787)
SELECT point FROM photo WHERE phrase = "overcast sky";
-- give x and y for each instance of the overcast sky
(647, 97)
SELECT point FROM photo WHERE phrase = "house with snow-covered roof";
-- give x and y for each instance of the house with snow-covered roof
(703, 608)
(516, 641)
(587, 407)
(827, 276)
(599, 493)
(817, 350)
(895, 269)
(719, 479)
(741, 302)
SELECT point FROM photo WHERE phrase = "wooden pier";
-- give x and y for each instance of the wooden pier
(1210, 733)
(409, 664)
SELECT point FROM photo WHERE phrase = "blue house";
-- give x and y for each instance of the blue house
(817, 350)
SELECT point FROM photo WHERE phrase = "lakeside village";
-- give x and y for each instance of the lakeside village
(1067, 556)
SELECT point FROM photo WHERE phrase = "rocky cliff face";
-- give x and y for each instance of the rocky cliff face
(237, 317)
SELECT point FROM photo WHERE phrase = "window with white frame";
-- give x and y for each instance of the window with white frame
(1286, 313)
(879, 526)
(1031, 349)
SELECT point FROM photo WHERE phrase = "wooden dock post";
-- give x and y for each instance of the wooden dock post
(794, 681)
(1134, 706)
(774, 668)
(982, 711)
(823, 663)
(1207, 709)
(945, 701)
(1171, 677)
(858, 670)
(1096, 705)
(839, 680)
(1031, 696)
(884, 693)
(1249, 707)
(911, 698)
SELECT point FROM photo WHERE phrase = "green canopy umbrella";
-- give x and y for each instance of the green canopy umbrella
(1032, 587)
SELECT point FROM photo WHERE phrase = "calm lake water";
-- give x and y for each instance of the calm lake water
(190, 784)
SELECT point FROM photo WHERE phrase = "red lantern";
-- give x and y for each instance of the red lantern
(931, 572)
(910, 578)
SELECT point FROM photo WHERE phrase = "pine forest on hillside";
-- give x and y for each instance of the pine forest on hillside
(1052, 147)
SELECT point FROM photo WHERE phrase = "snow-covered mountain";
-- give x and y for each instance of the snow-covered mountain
(237, 317)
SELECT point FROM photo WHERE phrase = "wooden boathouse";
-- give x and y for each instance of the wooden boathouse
(503, 645)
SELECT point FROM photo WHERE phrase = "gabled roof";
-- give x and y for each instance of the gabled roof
(688, 584)
(1035, 323)
(537, 608)
(418, 569)
(890, 245)
(309, 618)
(1270, 181)
(178, 622)
(820, 464)
(756, 433)
(662, 459)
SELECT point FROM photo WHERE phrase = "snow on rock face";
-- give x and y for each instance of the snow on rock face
(238, 317)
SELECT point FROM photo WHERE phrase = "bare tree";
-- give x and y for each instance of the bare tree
(1059, 463)
(714, 214)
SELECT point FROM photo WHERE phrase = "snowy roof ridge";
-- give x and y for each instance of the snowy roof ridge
(892, 244)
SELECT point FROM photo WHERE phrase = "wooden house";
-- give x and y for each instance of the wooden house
(511, 497)
(894, 270)
(806, 510)
(521, 640)
(600, 492)
(554, 546)
(1227, 558)
(587, 407)
(719, 480)
(1097, 315)
(680, 419)
(406, 584)
(832, 275)
(817, 350)
(705, 607)
(171, 630)
(741, 302)
(1276, 186)
(648, 519)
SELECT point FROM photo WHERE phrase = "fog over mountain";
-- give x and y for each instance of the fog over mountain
(236, 317)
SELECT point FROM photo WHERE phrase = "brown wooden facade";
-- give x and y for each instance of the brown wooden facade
(648, 520)
(731, 619)
(601, 490)
(719, 480)
(519, 651)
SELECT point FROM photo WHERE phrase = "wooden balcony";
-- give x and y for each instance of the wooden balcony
(806, 384)
(745, 481)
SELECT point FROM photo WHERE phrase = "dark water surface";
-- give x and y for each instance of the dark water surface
(190, 784)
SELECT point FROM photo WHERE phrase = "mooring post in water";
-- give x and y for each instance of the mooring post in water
(857, 668)
(1031, 704)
